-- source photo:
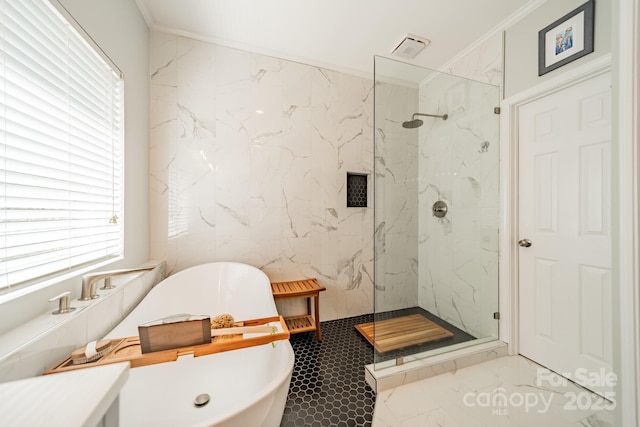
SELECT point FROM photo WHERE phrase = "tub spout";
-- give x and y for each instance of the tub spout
(90, 280)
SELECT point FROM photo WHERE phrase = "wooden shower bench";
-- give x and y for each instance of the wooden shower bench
(306, 288)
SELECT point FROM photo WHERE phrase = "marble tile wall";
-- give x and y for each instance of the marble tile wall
(459, 164)
(248, 162)
(396, 233)
(484, 63)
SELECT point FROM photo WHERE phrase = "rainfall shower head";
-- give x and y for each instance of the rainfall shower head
(416, 123)
(411, 124)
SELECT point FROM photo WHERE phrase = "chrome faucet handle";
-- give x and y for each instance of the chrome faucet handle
(63, 306)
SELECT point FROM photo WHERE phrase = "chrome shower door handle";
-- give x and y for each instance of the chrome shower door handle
(525, 243)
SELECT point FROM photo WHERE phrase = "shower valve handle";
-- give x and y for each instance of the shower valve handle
(525, 243)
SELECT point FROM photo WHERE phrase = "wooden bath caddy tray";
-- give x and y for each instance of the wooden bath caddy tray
(128, 349)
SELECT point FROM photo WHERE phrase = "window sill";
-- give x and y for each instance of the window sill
(7, 295)
(38, 344)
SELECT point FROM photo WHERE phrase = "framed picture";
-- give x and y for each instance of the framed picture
(566, 39)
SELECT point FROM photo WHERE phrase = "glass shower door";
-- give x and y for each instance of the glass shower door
(436, 212)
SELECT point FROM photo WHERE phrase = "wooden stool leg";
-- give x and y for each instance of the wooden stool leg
(308, 306)
(317, 316)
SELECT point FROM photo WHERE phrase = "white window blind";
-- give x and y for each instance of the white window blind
(61, 132)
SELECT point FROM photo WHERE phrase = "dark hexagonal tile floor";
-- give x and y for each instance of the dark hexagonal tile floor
(328, 386)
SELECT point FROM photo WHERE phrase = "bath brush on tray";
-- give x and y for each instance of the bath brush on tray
(91, 352)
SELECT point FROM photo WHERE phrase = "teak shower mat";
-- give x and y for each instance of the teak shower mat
(400, 332)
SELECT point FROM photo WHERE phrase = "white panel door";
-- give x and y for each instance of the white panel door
(564, 207)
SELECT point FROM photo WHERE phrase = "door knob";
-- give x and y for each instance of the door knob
(525, 243)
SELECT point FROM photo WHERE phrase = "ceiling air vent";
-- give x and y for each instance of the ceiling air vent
(410, 46)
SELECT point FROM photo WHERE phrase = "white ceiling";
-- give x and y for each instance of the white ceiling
(338, 34)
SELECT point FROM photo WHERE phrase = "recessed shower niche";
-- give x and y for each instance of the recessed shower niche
(357, 194)
(436, 206)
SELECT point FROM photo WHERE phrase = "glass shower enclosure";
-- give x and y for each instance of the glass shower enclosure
(436, 177)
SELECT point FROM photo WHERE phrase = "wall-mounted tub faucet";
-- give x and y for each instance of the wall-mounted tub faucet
(90, 280)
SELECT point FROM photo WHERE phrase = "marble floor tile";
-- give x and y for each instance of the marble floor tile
(503, 392)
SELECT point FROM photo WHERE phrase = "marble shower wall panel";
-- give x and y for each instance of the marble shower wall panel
(249, 156)
(396, 198)
(483, 64)
(459, 253)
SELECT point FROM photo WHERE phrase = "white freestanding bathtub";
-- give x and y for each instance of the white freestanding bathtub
(247, 387)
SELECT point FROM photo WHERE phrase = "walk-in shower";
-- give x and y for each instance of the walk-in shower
(436, 212)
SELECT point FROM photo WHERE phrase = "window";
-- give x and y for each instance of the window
(61, 132)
